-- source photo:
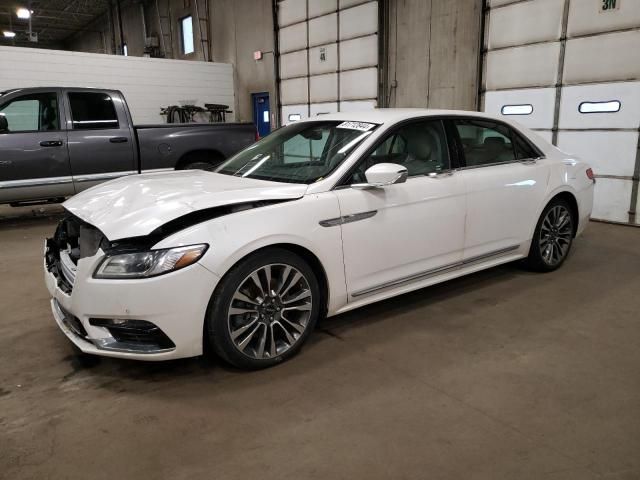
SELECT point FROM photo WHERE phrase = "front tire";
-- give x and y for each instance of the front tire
(552, 238)
(263, 310)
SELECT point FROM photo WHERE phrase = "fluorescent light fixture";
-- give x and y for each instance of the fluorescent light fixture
(600, 107)
(8, 34)
(23, 13)
(525, 109)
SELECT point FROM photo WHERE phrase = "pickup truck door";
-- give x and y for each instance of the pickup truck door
(34, 161)
(101, 145)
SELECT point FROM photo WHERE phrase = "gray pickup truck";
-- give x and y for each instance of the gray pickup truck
(55, 142)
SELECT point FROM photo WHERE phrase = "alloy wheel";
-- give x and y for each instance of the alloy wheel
(269, 311)
(556, 233)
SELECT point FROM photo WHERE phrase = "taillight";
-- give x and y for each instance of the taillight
(591, 175)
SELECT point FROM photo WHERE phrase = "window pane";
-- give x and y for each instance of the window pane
(525, 109)
(523, 149)
(298, 153)
(187, 35)
(485, 143)
(92, 110)
(32, 112)
(600, 107)
(420, 147)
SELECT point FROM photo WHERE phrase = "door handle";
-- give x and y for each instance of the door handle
(118, 139)
(51, 143)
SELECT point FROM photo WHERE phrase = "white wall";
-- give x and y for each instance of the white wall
(147, 83)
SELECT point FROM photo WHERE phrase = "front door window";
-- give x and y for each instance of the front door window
(32, 113)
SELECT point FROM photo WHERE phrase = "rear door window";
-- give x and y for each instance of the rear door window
(485, 142)
(92, 110)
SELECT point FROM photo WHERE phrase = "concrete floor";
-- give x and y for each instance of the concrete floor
(502, 375)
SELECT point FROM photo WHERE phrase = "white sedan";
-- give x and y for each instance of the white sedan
(318, 218)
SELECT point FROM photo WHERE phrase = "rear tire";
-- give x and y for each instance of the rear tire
(552, 238)
(263, 310)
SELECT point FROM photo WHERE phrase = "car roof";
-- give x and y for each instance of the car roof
(393, 115)
(80, 89)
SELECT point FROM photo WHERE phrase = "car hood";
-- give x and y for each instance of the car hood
(136, 205)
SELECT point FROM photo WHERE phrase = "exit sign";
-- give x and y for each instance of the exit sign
(609, 5)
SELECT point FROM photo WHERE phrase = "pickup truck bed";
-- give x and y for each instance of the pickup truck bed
(55, 142)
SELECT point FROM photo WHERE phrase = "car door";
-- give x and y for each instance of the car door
(404, 232)
(101, 145)
(34, 161)
(506, 180)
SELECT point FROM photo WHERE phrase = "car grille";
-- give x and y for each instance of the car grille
(72, 241)
(67, 267)
(135, 335)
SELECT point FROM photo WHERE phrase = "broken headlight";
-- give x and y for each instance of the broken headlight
(150, 263)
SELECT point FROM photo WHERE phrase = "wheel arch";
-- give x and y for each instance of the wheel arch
(200, 155)
(303, 252)
(572, 201)
(309, 257)
(569, 197)
(566, 193)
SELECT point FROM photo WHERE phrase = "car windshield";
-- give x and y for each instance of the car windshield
(299, 153)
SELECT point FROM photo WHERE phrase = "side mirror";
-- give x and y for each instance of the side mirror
(383, 175)
(4, 125)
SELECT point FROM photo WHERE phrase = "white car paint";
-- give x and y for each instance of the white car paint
(130, 207)
(428, 224)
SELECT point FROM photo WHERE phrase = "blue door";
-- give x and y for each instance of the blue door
(261, 113)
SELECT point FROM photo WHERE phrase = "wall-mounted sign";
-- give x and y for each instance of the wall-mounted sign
(609, 5)
(323, 54)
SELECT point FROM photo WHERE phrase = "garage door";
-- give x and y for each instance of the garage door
(571, 70)
(328, 55)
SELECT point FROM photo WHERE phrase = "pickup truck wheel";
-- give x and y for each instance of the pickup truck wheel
(200, 166)
(263, 310)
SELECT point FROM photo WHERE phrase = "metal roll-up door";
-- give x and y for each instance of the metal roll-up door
(571, 70)
(328, 56)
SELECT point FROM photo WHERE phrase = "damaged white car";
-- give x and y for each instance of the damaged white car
(320, 217)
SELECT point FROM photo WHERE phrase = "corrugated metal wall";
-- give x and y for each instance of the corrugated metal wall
(328, 53)
(572, 67)
(147, 83)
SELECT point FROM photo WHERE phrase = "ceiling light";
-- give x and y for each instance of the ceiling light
(8, 34)
(23, 13)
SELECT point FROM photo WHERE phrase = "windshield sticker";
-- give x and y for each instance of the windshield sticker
(362, 126)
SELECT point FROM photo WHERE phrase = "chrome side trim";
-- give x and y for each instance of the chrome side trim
(355, 217)
(435, 271)
(157, 170)
(97, 177)
(35, 182)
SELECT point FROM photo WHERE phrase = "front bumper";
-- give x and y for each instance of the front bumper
(175, 303)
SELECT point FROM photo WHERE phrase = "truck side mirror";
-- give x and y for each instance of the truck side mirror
(4, 125)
